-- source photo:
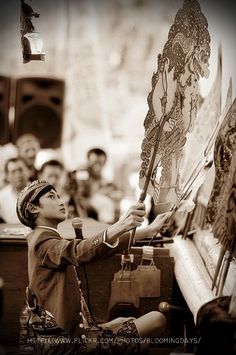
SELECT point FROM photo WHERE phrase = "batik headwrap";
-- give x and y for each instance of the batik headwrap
(29, 195)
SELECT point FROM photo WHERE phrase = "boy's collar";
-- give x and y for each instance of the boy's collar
(50, 228)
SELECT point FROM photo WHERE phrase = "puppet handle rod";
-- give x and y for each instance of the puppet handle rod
(143, 193)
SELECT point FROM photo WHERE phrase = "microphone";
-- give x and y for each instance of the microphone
(77, 225)
(165, 307)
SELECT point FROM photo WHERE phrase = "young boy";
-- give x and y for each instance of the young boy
(58, 311)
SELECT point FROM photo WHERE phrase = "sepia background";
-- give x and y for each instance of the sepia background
(106, 52)
(102, 55)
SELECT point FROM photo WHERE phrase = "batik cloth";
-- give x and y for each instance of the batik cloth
(39, 334)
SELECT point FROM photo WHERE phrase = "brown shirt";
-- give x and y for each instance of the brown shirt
(52, 277)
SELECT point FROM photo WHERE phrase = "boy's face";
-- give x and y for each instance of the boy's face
(51, 207)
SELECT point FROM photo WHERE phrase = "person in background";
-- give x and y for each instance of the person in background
(104, 196)
(96, 160)
(7, 151)
(54, 173)
(17, 176)
(78, 188)
(58, 313)
(28, 146)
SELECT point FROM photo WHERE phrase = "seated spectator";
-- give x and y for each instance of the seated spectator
(28, 147)
(79, 205)
(96, 160)
(17, 176)
(7, 151)
(104, 196)
(54, 173)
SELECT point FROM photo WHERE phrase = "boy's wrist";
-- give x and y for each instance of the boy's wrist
(113, 232)
(109, 242)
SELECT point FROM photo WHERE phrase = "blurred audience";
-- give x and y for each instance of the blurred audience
(79, 201)
(96, 160)
(17, 177)
(28, 146)
(7, 151)
(103, 196)
(54, 172)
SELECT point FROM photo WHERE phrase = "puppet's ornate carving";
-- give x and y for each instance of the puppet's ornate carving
(221, 209)
(173, 103)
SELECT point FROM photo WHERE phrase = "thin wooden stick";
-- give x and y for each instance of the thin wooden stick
(225, 268)
(218, 266)
(143, 193)
(228, 258)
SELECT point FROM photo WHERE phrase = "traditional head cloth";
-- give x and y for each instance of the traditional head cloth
(30, 194)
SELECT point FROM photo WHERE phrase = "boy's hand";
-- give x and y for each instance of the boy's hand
(160, 221)
(134, 217)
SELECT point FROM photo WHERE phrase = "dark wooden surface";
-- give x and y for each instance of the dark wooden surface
(101, 273)
(13, 270)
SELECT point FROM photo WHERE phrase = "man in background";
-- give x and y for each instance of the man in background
(17, 177)
(28, 146)
(96, 160)
(54, 173)
(104, 196)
